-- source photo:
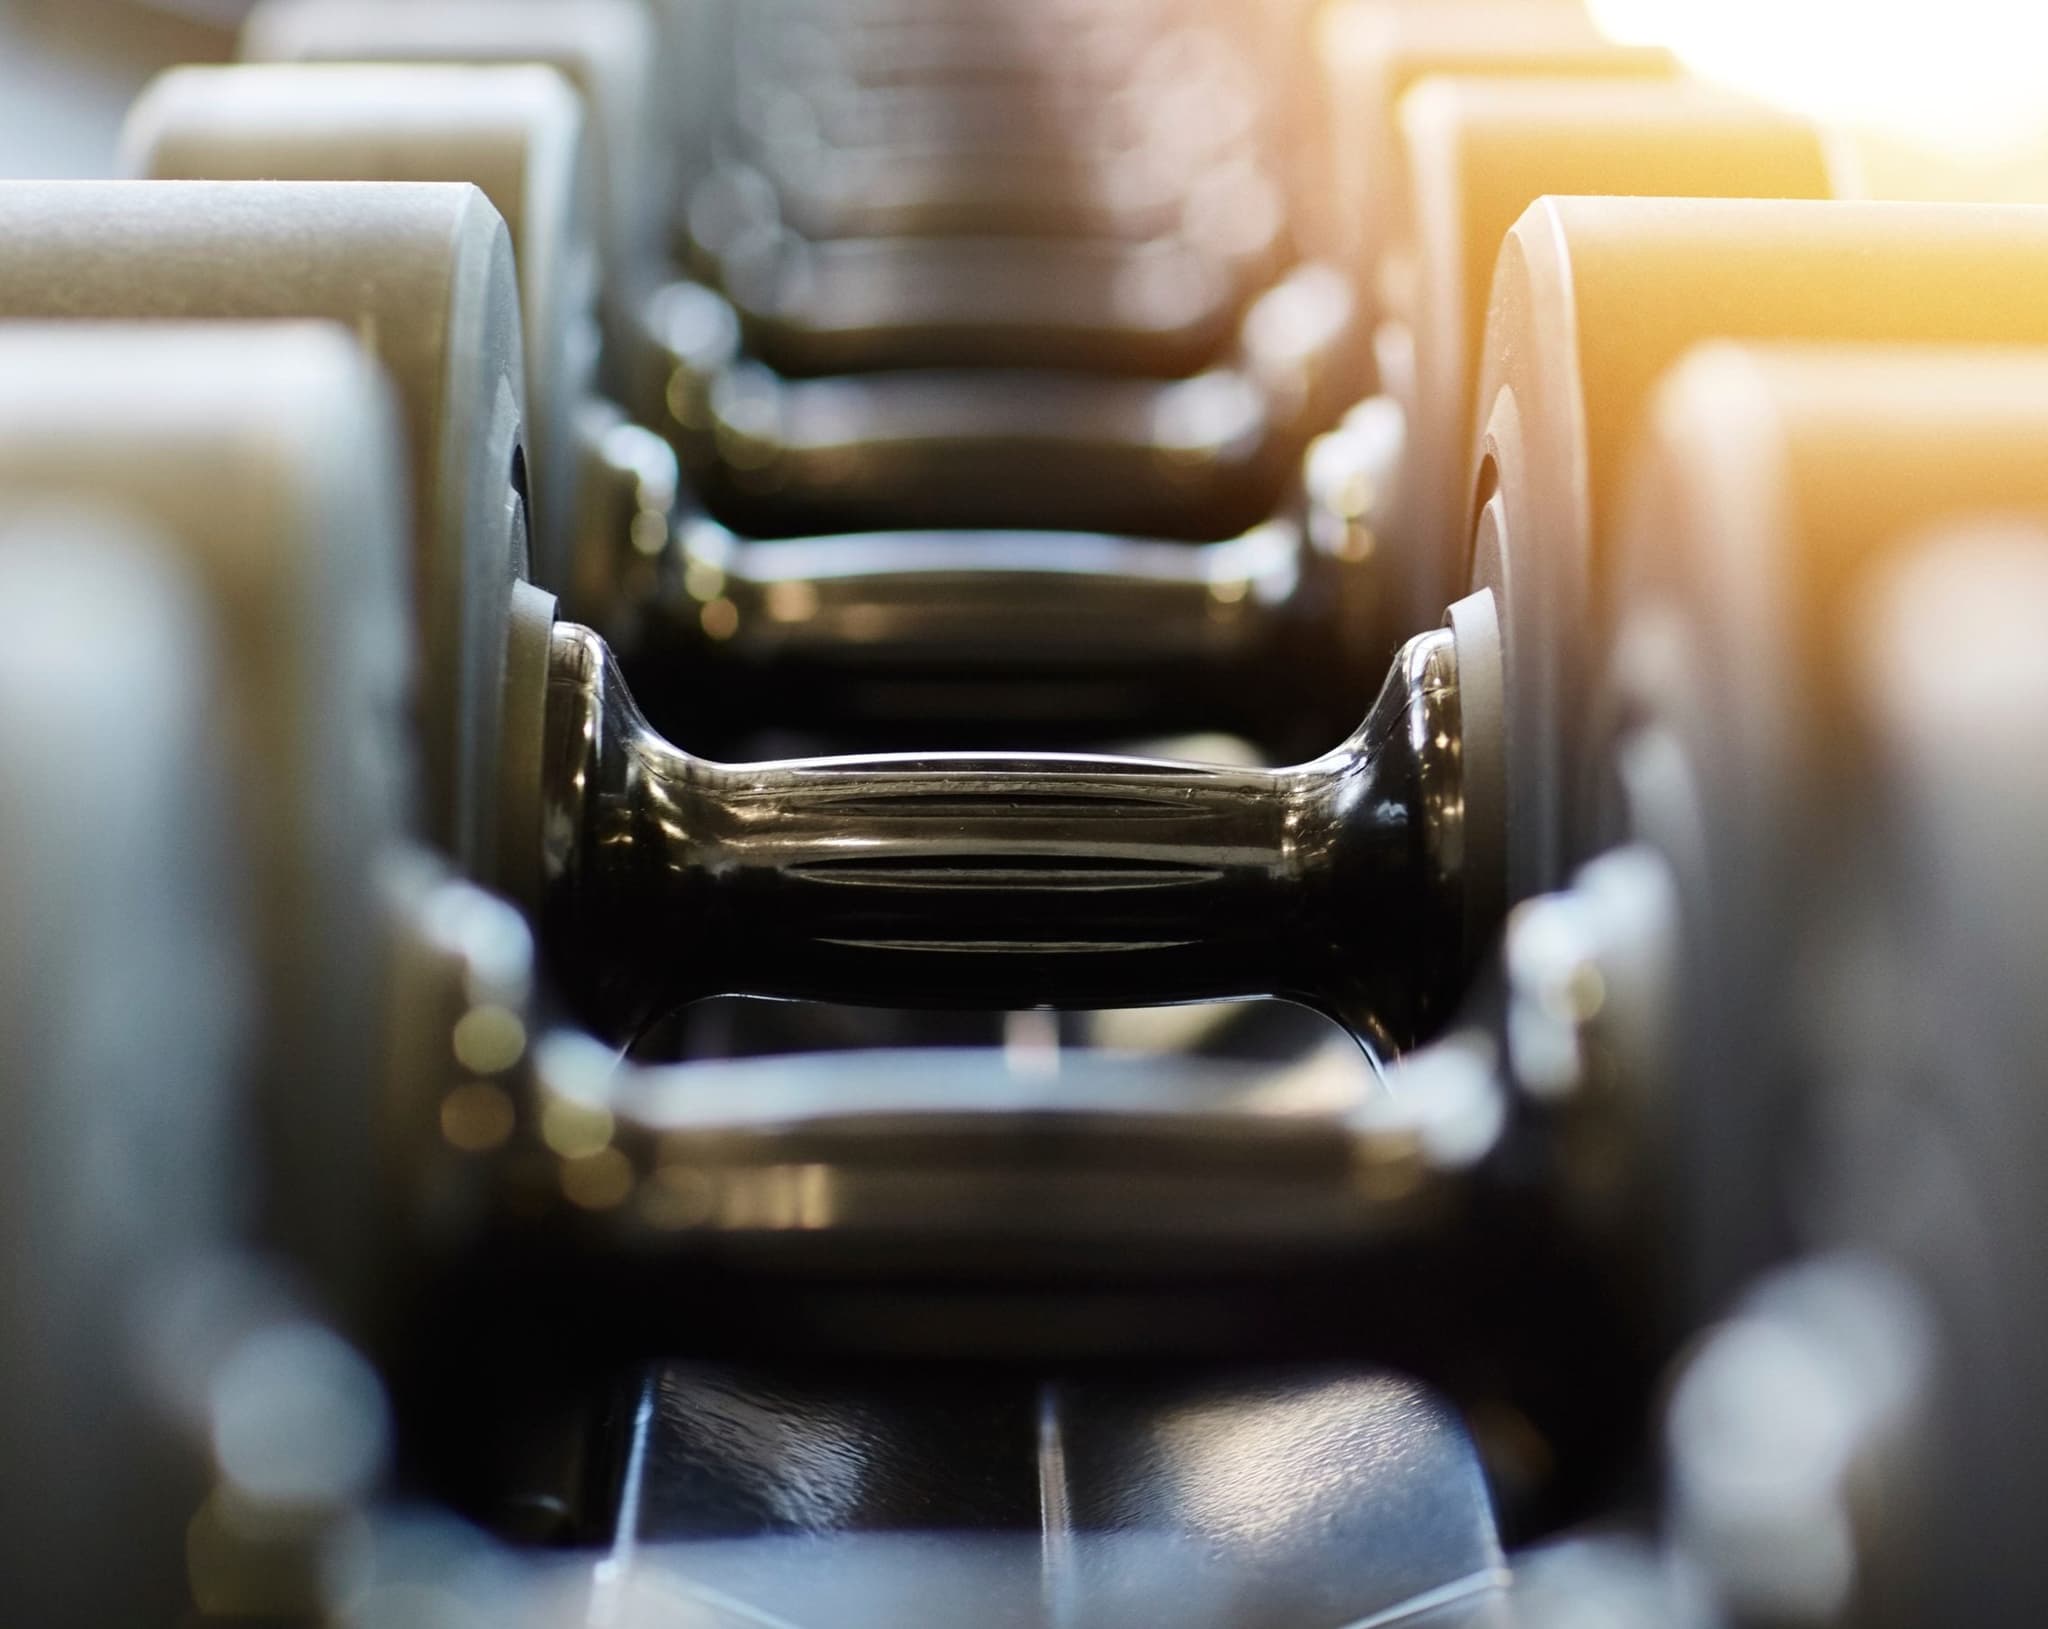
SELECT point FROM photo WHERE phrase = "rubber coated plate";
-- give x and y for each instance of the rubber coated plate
(1594, 298)
(1771, 480)
(1477, 152)
(423, 274)
(266, 458)
(1373, 54)
(1939, 1124)
(607, 49)
(119, 973)
(517, 133)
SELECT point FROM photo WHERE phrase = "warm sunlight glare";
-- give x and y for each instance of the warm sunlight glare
(1961, 76)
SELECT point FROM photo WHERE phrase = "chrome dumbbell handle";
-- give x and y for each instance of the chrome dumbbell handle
(1032, 637)
(1005, 882)
(937, 1157)
(1057, 601)
(1199, 457)
(954, 1200)
(912, 192)
(1154, 308)
(935, 637)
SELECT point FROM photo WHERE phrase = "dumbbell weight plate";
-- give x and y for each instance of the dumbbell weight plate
(517, 133)
(119, 976)
(606, 48)
(1593, 299)
(1475, 153)
(1936, 1128)
(423, 274)
(1771, 483)
(268, 459)
(1371, 52)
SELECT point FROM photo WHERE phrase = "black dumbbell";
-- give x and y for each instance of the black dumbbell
(1098, 877)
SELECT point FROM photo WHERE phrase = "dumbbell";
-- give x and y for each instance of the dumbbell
(440, 301)
(1050, 879)
(365, 957)
(625, 1143)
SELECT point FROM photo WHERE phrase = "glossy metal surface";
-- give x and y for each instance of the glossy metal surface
(970, 1165)
(1198, 457)
(969, 1203)
(929, 639)
(1006, 882)
(913, 189)
(921, 1499)
(1050, 152)
(850, 304)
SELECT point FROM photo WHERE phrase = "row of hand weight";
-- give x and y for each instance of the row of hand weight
(1660, 664)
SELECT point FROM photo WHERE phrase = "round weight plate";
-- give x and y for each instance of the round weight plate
(1592, 300)
(1477, 152)
(421, 274)
(607, 49)
(1770, 482)
(1371, 53)
(517, 133)
(119, 977)
(1937, 1127)
(268, 458)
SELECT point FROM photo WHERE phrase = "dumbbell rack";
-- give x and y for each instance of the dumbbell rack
(1206, 811)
